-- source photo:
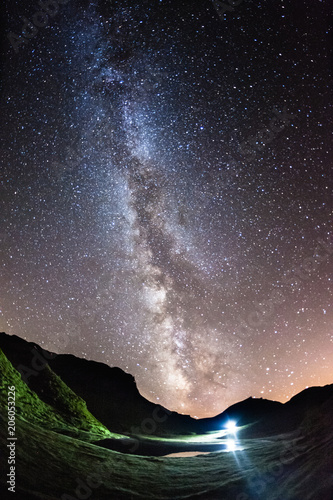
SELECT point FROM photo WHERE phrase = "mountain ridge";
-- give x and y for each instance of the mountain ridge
(112, 397)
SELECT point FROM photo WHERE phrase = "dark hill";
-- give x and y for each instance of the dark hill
(111, 394)
(313, 396)
(260, 416)
(270, 417)
(112, 397)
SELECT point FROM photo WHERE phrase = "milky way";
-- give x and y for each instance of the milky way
(167, 194)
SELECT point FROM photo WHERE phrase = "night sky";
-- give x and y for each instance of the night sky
(166, 192)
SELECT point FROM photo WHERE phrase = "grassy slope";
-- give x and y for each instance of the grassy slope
(65, 412)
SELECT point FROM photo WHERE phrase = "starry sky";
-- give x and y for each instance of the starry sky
(166, 192)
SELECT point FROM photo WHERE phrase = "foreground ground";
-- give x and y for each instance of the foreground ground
(294, 466)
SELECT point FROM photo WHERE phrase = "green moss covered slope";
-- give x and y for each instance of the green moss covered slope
(48, 403)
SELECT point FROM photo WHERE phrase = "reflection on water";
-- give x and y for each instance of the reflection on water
(187, 454)
(229, 445)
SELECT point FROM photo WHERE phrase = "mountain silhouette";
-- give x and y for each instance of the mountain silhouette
(111, 395)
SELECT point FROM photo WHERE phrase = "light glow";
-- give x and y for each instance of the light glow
(231, 426)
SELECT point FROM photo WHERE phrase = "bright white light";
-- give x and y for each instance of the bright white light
(231, 426)
(231, 445)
